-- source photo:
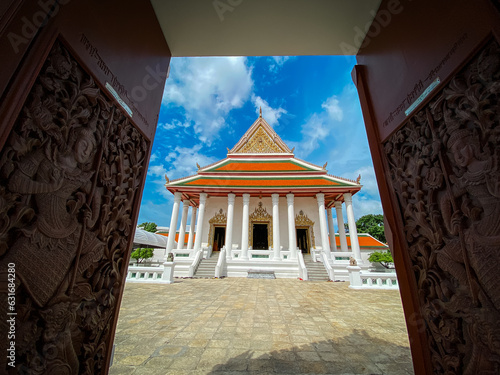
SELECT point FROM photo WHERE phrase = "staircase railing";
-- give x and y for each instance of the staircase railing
(328, 267)
(302, 266)
(196, 262)
(221, 264)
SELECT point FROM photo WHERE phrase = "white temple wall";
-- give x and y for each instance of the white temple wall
(308, 205)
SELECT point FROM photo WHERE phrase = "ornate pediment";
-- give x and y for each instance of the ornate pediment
(260, 143)
(260, 138)
(260, 214)
(302, 220)
(218, 218)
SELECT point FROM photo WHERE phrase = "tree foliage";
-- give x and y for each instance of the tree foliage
(142, 253)
(384, 258)
(373, 225)
(147, 226)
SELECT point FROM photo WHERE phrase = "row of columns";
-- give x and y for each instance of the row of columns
(276, 232)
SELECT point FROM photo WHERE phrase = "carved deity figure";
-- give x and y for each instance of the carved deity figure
(56, 182)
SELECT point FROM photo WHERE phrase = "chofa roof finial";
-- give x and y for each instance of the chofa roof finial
(260, 109)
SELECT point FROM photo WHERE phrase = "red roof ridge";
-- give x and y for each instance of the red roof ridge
(342, 178)
(211, 165)
(182, 178)
(303, 161)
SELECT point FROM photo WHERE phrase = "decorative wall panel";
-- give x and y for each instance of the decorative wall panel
(444, 168)
(71, 172)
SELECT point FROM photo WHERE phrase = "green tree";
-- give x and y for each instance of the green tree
(147, 226)
(373, 225)
(384, 258)
(142, 253)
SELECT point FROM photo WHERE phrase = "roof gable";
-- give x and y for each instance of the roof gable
(260, 138)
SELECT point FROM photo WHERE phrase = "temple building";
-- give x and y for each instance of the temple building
(261, 205)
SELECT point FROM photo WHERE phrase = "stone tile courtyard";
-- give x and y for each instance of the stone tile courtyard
(258, 326)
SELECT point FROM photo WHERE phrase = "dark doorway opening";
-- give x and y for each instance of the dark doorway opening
(302, 240)
(219, 238)
(260, 237)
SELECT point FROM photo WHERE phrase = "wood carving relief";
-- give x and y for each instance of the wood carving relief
(444, 167)
(70, 174)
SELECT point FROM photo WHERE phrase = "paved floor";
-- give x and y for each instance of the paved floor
(240, 326)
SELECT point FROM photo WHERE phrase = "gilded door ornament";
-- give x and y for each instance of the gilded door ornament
(260, 143)
(444, 168)
(260, 216)
(302, 221)
(219, 220)
(70, 171)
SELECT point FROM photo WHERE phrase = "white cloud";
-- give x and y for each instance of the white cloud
(368, 180)
(316, 129)
(208, 88)
(174, 124)
(153, 157)
(332, 106)
(279, 61)
(271, 115)
(183, 161)
(156, 170)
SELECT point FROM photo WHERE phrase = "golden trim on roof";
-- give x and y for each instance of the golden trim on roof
(260, 138)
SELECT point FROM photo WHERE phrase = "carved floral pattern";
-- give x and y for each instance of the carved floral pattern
(70, 173)
(260, 143)
(444, 167)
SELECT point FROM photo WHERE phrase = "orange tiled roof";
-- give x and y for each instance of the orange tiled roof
(260, 166)
(364, 240)
(186, 236)
(224, 181)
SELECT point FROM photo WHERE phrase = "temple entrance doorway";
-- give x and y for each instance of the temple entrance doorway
(219, 238)
(260, 236)
(302, 239)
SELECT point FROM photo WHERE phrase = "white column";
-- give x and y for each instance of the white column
(229, 225)
(182, 230)
(276, 226)
(173, 223)
(353, 232)
(191, 228)
(331, 230)
(244, 227)
(199, 223)
(322, 224)
(292, 240)
(340, 223)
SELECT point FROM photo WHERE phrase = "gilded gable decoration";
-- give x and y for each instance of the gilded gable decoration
(260, 143)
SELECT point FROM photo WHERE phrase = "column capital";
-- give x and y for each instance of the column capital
(186, 202)
(230, 198)
(289, 198)
(338, 204)
(321, 198)
(246, 198)
(275, 198)
(177, 196)
(203, 198)
(348, 197)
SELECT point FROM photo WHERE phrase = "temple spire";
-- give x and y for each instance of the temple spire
(260, 109)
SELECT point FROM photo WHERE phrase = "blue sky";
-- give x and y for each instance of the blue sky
(209, 103)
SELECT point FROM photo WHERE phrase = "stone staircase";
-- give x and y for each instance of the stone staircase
(315, 270)
(206, 269)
